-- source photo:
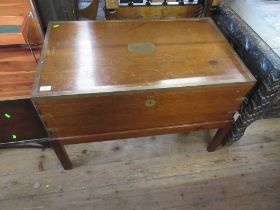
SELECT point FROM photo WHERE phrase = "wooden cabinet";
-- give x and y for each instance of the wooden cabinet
(18, 116)
(18, 28)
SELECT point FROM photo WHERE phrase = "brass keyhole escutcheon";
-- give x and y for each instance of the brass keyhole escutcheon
(150, 102)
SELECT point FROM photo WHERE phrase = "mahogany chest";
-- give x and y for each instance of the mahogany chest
(117, 79)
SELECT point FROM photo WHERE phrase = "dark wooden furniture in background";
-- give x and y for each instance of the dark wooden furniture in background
(18, 118)
(56, 10)
(252, 27)
(18, 54)
(157, 9)
(88, 11)
(142, 9)
(100, 81)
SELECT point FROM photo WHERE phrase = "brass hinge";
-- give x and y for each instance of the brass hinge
(240, 99)
(47, 115)
(53, 130)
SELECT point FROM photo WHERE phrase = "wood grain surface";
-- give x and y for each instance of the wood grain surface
(17, 72)
(14, 7)
(93, 57)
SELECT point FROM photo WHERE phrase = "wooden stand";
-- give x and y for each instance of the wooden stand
(61, 154)
(65, 161)
(218, 138)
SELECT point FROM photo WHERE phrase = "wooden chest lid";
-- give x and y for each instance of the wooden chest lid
(111, 56)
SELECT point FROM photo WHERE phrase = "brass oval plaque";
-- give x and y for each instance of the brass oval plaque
(150, 102)
(141, 48)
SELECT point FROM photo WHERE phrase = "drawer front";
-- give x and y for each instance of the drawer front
(19, 121)
(78, 115)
